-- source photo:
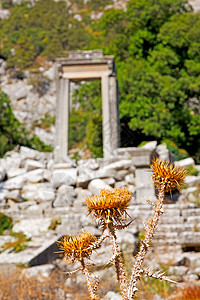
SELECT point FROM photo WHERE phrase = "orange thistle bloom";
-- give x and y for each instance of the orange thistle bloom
(111, 204)
(167, 174)
(77, 247)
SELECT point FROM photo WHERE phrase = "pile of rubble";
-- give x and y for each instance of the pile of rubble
(36, 191)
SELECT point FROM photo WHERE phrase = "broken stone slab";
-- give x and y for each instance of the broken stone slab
(33, 227)
(11, 162)
(139, 157)
(31, 165)
(164, 153)
(86, 175)
(82, 194)
(96, 185)
(119, 165)
(35, 176)
(14, 195)
(150, 145)
(15, 183)
(28, 153)
(62, 166)
(130, 179)
(125, 152)
(64, 176)
(143, 157)
(121, 184)
(91, 164)
(65, 196)
(83, 180)
(103, 173)
(120, 175)
(39, 192)
(2, 174)
(187, 162)
(192, 180)
(110, 181)
(13, 172)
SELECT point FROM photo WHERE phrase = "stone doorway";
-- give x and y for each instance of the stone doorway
(83, 66)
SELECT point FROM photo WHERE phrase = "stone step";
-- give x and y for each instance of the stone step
(178, 227)
(190, 212)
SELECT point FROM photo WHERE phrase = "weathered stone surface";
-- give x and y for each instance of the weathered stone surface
(82, 194)
(13, 172)
(142, 157)
(143, 178)
(187, 162)
(164, 153)
(62, 166)
(96, 185)
(119, 165)
(32, 165)
(150, 145)
(65, 196)
(83, 180)
(192, 180)
(110, 181)
(11, 162)
(32, 227)
(121, 184)
(35, 176)
(39, 192)
(120, 175)
(2, 174)
(64, 176)
(103, 173)
(112, 296)
(14, 195)
(91, 164)
(130, 179)
(28, 153)
(13, 183)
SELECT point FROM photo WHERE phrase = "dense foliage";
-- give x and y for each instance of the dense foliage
(157, 48)
(13, 133)
(86, 118)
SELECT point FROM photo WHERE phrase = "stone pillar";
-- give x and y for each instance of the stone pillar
(62, 118)
(107, 133)
(114, 113)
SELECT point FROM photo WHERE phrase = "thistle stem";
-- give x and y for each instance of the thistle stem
(119, 265)
(90, 283)
(152, 224)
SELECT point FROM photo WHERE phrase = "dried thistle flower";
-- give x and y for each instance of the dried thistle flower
(167, 174)
(78, 246)
(110, 205)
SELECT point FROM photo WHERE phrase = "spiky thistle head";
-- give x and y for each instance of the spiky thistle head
(111, 205)
(78, 246)
(167, 174)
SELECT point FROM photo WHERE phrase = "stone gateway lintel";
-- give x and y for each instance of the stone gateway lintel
(82, 66)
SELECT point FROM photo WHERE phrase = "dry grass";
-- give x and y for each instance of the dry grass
(16, 286)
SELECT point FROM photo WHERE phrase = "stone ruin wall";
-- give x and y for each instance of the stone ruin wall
(34, 190)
